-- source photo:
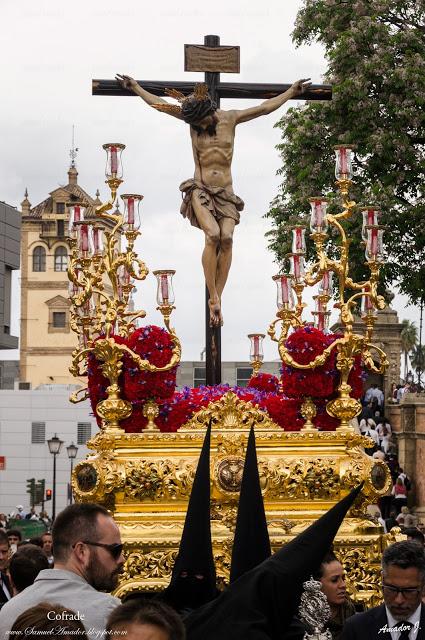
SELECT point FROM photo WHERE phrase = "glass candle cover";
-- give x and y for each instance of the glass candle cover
(370, 218)
(320, 313)
(298, 240)
(256, 350)
(374, 243)
(367, 306)
(285, 294)
(164, 292)
(318, 218)
(84, 239)
(343, 162)
(325, 284)
(76, 214)
(96, 240)
(297, 267)
(131, 213)
(113, 167)
(124, 277)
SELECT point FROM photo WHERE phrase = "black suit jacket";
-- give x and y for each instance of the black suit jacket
(366, 626)
(4, 580)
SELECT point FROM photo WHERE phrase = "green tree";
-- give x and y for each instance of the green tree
(376, 63)
(409, 339)
(417, 358)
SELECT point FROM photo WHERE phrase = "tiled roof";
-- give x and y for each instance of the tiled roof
(75, 193)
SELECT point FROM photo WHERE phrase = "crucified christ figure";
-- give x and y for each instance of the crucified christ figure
(209, 201)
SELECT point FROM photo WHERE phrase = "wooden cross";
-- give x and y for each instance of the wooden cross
(212, 59)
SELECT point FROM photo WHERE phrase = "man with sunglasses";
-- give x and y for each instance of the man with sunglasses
(402, 616)
(88, 560)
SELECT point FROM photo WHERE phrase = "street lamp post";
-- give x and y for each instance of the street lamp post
(72, 451)
(55, 446)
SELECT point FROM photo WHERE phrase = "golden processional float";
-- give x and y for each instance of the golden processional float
(146, 451)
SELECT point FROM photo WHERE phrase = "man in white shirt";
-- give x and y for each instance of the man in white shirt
(88, 559)
(374, 392)
(402, 616)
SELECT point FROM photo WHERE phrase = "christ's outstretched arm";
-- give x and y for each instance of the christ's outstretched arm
(127, 82)
(270, 105)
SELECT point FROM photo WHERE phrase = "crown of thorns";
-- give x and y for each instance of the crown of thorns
(193, 107)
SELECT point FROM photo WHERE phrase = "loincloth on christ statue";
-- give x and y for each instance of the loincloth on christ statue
(219, 201)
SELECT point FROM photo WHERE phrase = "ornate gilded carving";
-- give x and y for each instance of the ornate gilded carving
(222, 559)
(98, 478)
(231, 413)
(149, 475)
(144, 566)
(226, 514)
(158, 480)
(229, 473)
(301, 479)
(308, 411)
(151, 411)
(363, 571)
(86, 477)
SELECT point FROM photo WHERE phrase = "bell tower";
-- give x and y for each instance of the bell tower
(46, 340)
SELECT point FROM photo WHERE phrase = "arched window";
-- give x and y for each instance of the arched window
(39, 259)
(61, 259)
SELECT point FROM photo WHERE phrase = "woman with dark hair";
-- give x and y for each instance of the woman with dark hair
(49, 620)
(331, 575)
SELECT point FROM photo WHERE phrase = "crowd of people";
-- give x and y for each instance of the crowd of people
(20, 514)
(393, 510)
(60, 584)
(73, 598)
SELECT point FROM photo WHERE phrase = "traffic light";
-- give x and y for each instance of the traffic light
(48, 494)
(31, 490)
(39, 491)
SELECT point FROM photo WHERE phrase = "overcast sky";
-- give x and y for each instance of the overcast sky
(52, 50)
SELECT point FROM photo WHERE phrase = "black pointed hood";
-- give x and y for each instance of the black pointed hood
(251, 544)
(193, 580)
(262, 602)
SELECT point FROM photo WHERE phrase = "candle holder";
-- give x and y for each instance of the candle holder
(102, 279)
(165, 293)
(256, 355)
(321, 272)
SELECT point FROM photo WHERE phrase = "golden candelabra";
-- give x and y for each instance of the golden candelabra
(291, 285)
(101, 274)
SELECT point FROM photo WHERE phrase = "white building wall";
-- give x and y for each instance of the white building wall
(24, 460)
(50, 404)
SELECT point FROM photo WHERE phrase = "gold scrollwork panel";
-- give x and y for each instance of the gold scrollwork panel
(158, 480)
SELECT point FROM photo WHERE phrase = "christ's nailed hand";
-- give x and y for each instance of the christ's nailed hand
(127, 82)
(300, 86)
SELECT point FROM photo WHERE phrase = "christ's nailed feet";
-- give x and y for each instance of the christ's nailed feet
(216, 319)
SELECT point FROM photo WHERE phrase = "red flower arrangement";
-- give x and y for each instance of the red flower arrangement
(150, 343)
(176, 408)
(264, 382)
(304, 345)
(154, 344)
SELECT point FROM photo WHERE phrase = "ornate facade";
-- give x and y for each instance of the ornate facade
(46, 339)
